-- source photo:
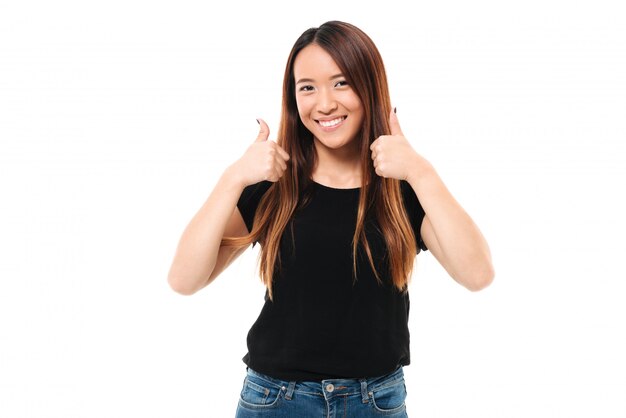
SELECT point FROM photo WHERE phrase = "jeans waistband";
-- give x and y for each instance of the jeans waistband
(332, 386)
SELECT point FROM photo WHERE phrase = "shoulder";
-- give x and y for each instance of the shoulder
(408, 194)
(255, 191)
(261, 186)
(411, 202)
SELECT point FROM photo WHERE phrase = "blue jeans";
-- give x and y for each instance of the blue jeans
(264, 396)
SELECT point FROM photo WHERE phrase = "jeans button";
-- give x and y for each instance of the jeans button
(330, 387)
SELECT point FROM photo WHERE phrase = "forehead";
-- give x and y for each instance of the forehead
(313, 62)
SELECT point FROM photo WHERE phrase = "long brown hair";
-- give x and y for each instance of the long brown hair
(361, 64)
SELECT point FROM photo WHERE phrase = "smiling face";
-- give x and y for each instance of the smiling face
(327, 105)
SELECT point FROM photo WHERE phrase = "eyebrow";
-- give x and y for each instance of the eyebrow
(310, 80)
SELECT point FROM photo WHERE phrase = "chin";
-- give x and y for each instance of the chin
(337, 144)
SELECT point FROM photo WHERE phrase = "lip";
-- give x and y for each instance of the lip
(331, 128)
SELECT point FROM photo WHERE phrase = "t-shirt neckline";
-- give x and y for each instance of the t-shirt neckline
(323, 186)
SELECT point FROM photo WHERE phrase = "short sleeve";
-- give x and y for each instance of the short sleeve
(249, 201)
(415, 211)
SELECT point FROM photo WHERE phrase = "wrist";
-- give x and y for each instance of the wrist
(421, 169)
(231, 177)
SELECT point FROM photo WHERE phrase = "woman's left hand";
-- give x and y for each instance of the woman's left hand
(393, 155)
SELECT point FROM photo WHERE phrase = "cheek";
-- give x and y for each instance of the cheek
(357, 113)
(298, 108)
(303, 104)
(302, 109)
(355, 106)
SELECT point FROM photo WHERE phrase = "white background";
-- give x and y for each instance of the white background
(117, 118)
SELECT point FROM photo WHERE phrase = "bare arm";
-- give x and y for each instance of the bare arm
(198, 254)
(199, 257)
(447, 230)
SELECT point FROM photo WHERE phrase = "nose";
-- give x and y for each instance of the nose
(326, 102)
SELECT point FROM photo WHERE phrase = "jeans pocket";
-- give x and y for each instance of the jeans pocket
(390, 399)
(257, 394)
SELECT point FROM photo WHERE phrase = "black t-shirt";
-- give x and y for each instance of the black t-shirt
(321, 323)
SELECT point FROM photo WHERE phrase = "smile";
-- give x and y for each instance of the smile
(333, 123)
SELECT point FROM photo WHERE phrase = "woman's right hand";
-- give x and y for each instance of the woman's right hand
(263, 160)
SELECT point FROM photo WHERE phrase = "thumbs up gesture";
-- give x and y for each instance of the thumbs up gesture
(393, 155)
(263, 160)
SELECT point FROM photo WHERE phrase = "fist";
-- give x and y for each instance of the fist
(264, 160)
(392, 155)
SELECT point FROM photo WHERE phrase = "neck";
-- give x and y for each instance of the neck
(337, 167)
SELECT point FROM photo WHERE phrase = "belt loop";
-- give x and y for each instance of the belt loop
(364, 394)
(290, 389)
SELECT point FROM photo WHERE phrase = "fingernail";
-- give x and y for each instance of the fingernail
(394, 110)
(257, 121)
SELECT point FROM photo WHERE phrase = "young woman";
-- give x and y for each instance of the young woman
(341, 205)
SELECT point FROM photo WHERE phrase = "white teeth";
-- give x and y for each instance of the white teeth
(331, 123)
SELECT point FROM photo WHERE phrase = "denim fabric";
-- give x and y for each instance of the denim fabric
(264, 396)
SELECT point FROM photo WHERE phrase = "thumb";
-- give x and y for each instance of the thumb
(394, 123)
(264, 131)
